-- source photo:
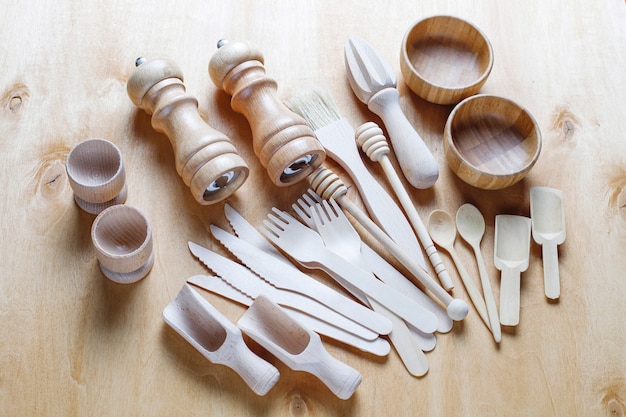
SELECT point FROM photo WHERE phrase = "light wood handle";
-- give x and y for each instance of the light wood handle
(490, 300)
(418, 164)
(471, 288)
(257, 373)
(205, 158)
(284, 143)
(510, 297)
(371, 139)
(404, 342)
(339, 377)
(327, 184)
(550, 257)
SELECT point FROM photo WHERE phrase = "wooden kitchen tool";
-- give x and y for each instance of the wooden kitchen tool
(297, 346)
(337, 136)
(547, 215)
(443, 231)
(205, 158)
(511, 253)
(218, 339)
(328, 185)
(95, 169)
(445, 59)
(216, 285)
(122, 238)
(371, 139)
(471, 226)
(373, 81)
(284, 143)
(491, 142)
(340, 237)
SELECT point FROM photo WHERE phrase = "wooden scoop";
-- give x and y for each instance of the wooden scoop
(548, 229)
(511, 253)
(218, 339)
(298, 347)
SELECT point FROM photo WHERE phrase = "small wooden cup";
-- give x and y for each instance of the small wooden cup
(491, 142)
(95, 169)
(122, 237)
(445, 59)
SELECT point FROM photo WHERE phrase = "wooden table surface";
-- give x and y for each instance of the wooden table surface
(74, 343)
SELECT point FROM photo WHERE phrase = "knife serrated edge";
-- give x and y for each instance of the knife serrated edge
(288, 277)
(247, 232)
(251, 285)
(216, 285)
(219, 286)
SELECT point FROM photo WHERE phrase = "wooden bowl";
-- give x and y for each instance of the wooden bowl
(491, 142)
(445, 59)
(122, 238)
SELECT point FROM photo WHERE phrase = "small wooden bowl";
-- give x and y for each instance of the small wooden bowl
(491, 142)
(445, 59)
(95, 169)
(122, 237)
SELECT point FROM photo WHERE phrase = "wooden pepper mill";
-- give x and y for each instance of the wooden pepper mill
(285, 145)
(205, 158)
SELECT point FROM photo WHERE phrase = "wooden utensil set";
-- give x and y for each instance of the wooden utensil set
(288, 308)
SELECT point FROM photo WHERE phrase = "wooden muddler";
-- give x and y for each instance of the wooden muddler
(206, 159)
(282, 140)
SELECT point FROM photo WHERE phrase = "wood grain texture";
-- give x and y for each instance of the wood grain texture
(74, 343)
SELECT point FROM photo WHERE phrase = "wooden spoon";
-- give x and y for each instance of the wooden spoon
(548, 229)
(298, 347)
(471, 226)
(511, 253)
(443, 232)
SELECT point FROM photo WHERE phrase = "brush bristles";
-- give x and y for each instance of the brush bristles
(317, 107)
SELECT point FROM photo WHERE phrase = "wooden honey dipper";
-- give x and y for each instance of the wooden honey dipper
(282, 140)
(327, 184)
(370, 138)
(205, 158)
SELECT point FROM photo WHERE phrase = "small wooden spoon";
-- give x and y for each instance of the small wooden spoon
(471, 226)
(443, 232)
(548, 229)
(298, 347)
(510, 255)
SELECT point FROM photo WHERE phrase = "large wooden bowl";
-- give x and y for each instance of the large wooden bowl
(445, 59)
(491, 142)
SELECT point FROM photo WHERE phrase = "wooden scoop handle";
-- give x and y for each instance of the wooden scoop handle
(284, 143)
(510, 297)
(205, 158)
(551, 276)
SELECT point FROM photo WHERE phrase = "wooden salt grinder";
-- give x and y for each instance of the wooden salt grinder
(285, 145)
(205, 158)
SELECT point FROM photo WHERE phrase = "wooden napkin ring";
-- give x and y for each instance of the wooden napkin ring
(95, 168)
(122, 237)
